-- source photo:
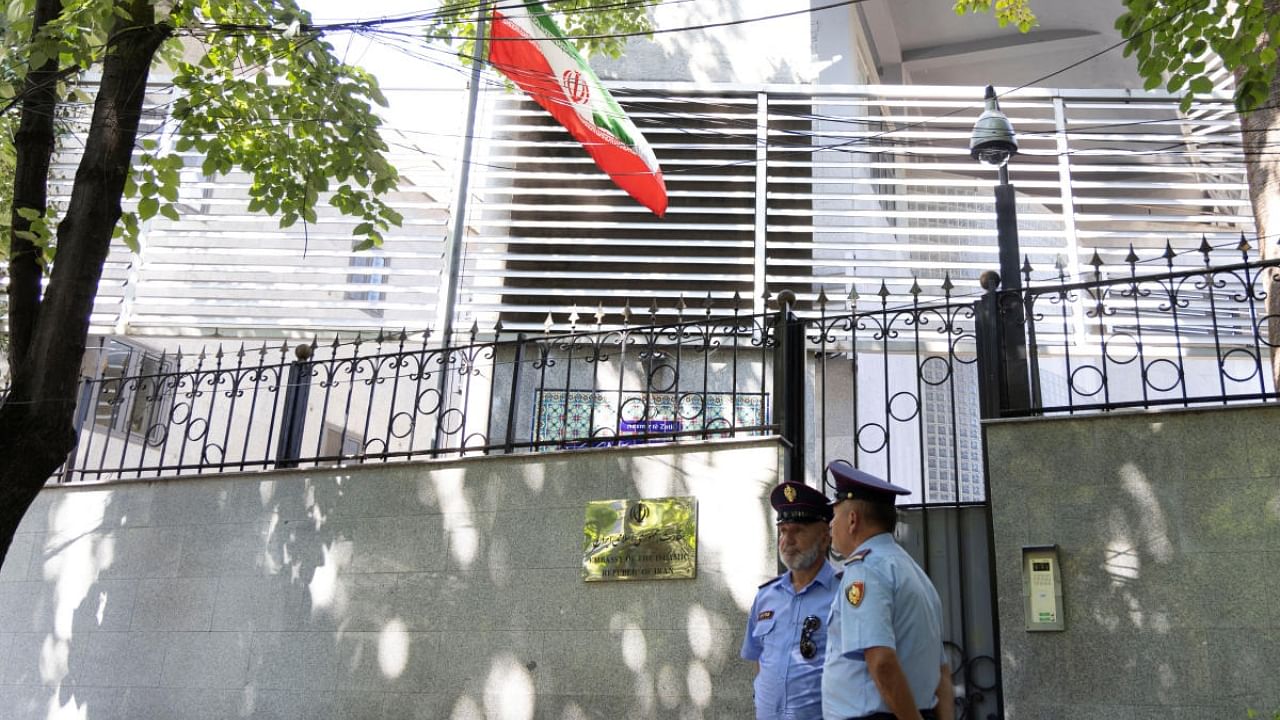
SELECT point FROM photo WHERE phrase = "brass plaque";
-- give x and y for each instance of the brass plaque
(655, 539)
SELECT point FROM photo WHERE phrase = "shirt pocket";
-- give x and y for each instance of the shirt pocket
(763, 628)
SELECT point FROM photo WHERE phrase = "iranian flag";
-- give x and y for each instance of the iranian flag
(528, 48)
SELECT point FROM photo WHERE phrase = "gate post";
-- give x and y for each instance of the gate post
(294, 414)
(788, 385)
(1003, 376)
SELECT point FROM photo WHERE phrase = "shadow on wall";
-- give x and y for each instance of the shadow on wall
(442, 590)
(1169, 533)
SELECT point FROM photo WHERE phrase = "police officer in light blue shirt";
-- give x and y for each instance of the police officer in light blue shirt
(885, 659)
(787, 627)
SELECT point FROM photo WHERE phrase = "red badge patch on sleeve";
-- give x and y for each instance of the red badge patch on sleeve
(855, 592)
(764, 615)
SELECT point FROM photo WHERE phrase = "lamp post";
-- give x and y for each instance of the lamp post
(993, 143)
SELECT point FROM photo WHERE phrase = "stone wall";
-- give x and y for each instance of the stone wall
(446, 589)
(1168, 528)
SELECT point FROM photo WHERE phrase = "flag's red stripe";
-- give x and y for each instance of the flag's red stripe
(525, 65)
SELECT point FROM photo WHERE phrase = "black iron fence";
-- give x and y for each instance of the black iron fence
(881, 379)
(397, 397)
(1143, 334)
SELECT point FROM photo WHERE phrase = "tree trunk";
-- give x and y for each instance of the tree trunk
(37, 417)
(33, 144)
(1261, 131)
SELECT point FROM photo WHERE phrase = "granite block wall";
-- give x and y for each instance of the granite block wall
(446, 589)
(1168, 528)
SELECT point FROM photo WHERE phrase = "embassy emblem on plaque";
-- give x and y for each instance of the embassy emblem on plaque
(652, 539)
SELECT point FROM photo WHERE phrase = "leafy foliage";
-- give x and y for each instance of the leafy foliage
(1172, 39)
(585, 19)
(1015, 12)
(6, 189)
(281, 106)
(255, 95)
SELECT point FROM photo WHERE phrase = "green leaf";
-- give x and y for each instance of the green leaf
(147, 208)
(169, 211)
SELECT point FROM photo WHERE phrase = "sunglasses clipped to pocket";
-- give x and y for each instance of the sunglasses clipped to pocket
(807, 647)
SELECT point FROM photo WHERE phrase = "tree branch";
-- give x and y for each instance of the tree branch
(33, 146)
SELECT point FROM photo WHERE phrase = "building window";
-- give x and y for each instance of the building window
(129, 389)
(337, 443)
(369, 268)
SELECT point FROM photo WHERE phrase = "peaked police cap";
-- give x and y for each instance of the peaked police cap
(797, 502)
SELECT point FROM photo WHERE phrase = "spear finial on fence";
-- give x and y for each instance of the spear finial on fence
(653, 311)
(626, 312)
(681, 307)
(546, 325)
(706, 304)
(1060, 264)
(737, 301)
(822, 298)
(1205, 248)
(240, 352)
(1132, 259)
(915, 288)
(497, 328)
(599, 313)
(1096, 262)
(1026, 270)
(947, 285)
(1169, 254)
(475, 330)
(884, 293)
(1244, 247)
(853, 296)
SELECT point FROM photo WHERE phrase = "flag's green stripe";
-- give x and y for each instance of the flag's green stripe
(611, 121)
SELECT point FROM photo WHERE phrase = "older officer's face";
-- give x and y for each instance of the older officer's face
(802, 545)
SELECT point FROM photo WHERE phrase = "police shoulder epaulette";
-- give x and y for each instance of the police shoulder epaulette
(768, 582)
(858, 556)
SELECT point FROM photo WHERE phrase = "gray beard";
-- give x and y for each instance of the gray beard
(803, 560)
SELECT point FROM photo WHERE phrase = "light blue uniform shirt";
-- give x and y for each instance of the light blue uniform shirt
(789, 687)
(897, 607)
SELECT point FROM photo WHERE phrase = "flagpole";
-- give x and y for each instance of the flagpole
(447, 298)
